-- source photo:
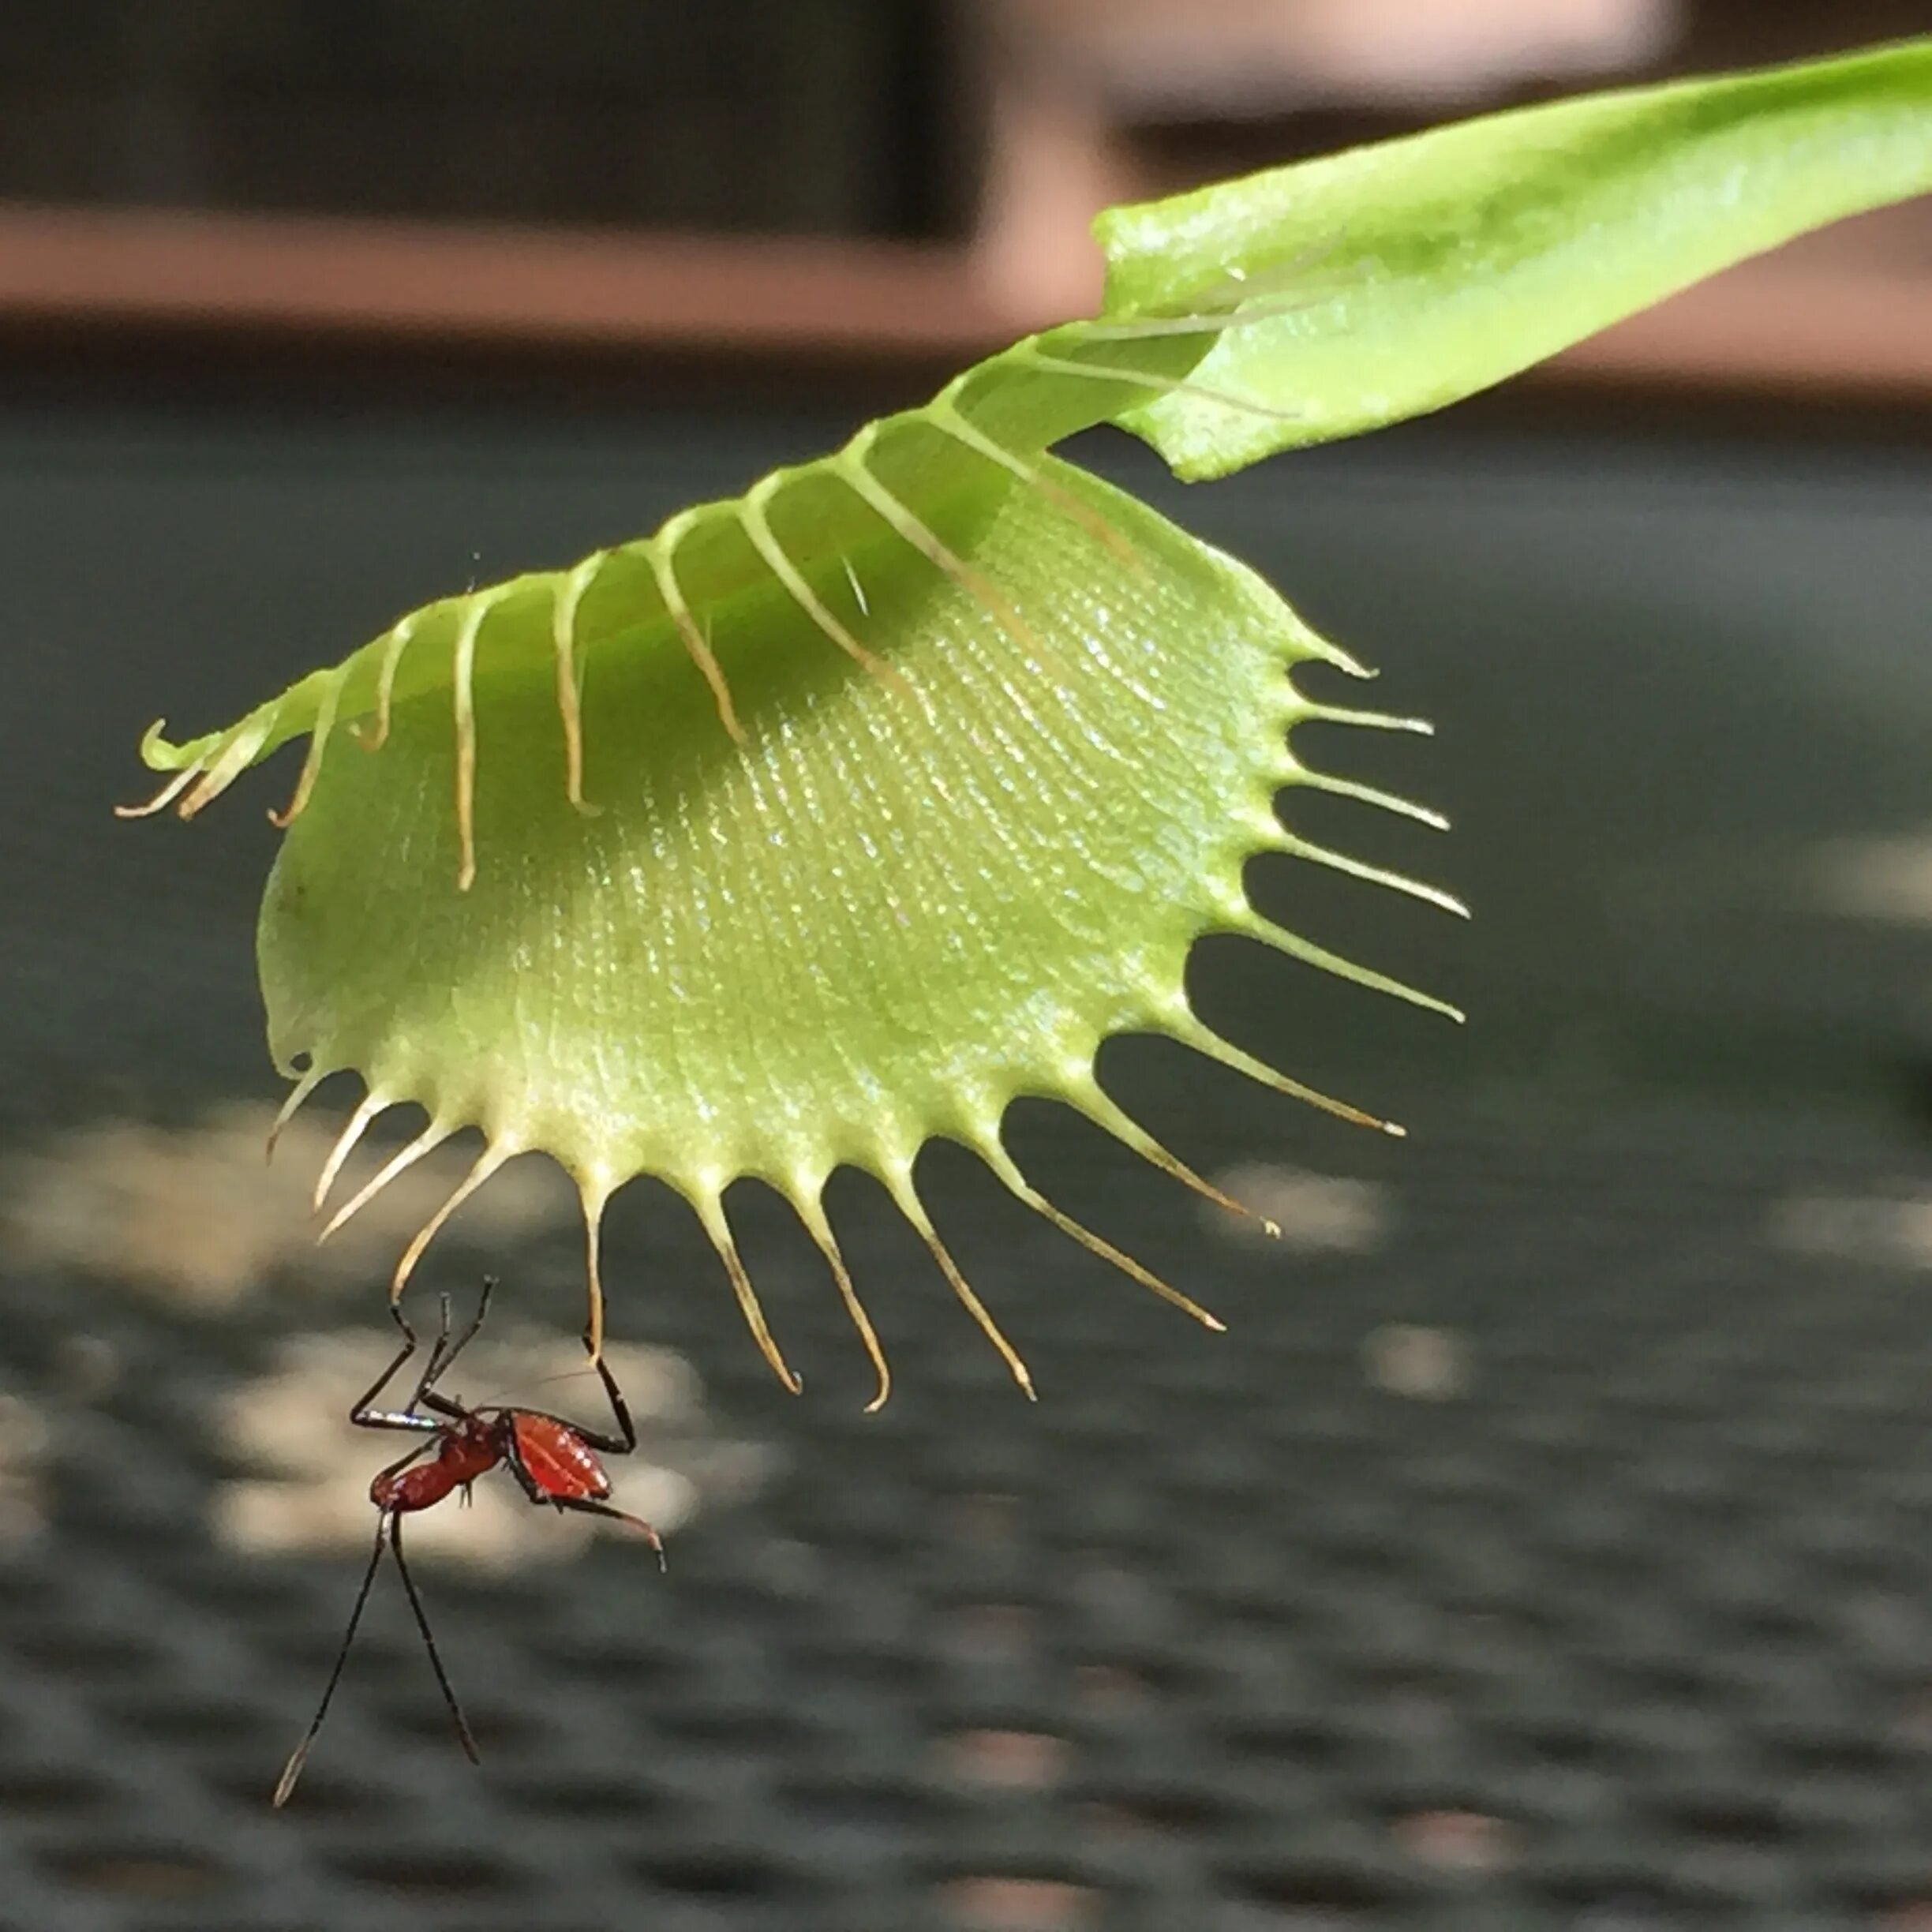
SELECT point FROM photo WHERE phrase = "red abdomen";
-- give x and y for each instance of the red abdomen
(559, 1462)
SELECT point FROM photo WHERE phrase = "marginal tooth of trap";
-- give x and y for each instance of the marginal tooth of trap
(711, 1212)
(1369, 720)
(1180, 1022)
(1340, 862)
(995, 1155)
(593, 1195)
(432, 1136)
(570, 690)
(1150, 379)
(394, 645)
(806, 1199)
(300, 1092)
(170, 790)
(1299, 643)
(1153, 327)
(463, 688)
(1100, 1107)
(1218, 322)
(236, 754)
(1263, 832)
(851, 467)
(945, 417)
(493, 1157)
(697, 642)
(311, 764)
(1367, 795)
(357, 1125)
(751, 515)
(1255, 927)
(153, 739)
(1310, 643)
(898, 1179)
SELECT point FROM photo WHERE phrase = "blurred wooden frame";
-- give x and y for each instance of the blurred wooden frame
(1811, 324)
(403, 282)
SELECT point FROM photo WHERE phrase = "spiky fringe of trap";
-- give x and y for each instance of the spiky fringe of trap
(213, 764)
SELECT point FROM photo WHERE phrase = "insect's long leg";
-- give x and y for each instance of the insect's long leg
(422, 1623)
(446, 1351)
(626, 1439)
(440, 1357)
(365, 1416)
(292, 1769)
(588, 1505)
(439, 1350)
(427, 1395)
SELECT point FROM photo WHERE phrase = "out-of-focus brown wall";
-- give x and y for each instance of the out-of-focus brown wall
(614, 180)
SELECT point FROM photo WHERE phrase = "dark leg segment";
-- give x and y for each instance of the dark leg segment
(365, 1416)
(588, 1506)
(447, 1350)
(442, 1353)
(626, 1439)
(292, 1769)
(422, 1623)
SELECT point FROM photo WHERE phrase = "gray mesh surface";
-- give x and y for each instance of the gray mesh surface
(1623, 1623)
(1620, 1617)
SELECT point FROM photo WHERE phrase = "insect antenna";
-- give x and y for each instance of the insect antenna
(446, 1350)
(292, 1769)
(499, 1399)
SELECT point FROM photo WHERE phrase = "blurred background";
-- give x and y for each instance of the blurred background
(1550, 1543)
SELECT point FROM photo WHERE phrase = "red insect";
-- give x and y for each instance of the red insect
(556, 1462)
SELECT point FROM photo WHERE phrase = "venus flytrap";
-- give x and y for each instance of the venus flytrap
(835, 817)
